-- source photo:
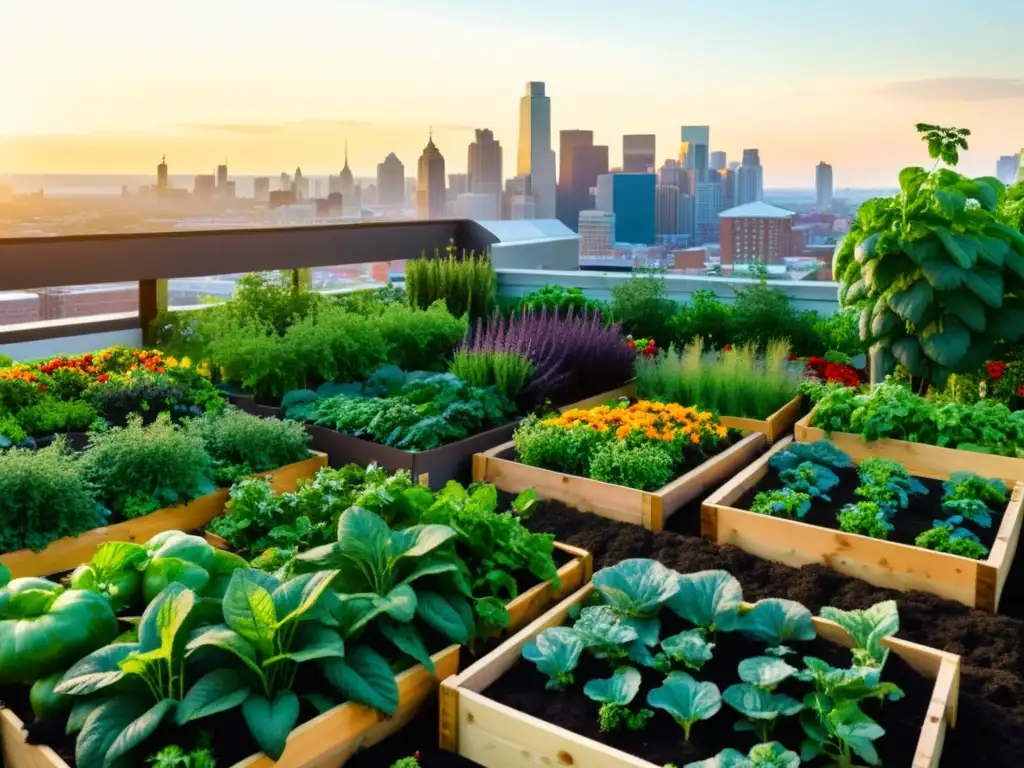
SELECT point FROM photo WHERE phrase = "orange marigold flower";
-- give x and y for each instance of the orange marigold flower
(695, 438)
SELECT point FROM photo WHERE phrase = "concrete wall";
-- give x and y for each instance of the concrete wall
(819, 296)
(71, 345)
(552, 253)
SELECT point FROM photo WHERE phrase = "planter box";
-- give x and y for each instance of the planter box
(919, 458)
(627, 505)
(976, 583)
(774, 427)
(497, 736)
(248, 404)
(326, 741)
(69, 552)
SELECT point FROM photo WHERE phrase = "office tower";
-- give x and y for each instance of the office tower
(285, 183)
(673, 174)
(478, 207)
(694, 150)
(391, 182)
(261, 189)
(638, 153)
(485, 164)
(229, 190)
(631, 197)
(301, 186)
(728, 178)
(346, 181)
(161, 174)
(749, 178)
(222, 179)
(579, 165)
(666, 210)
(718, 161)
(823, 186)
(536, 158)
(734, 165)
(517, 186)
(684, 216)
(1007, 168)
(205, 185)
(430, 186)
(597, 233)
(707, 204)
(458, 184)
(756, 232)
(523, 207)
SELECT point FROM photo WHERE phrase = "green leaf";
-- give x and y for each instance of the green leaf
(764, 671)
(637, 586)
(942, 274)
(690, 647)
(709, 599)
(908, 352)
(968, 308)
(451, 615)
(868, 628)
(216, 691)
(138, 730)
(911, 180)
(759, 704)
(993, 250)
(117, 556)
(249, 610)
(297, 597)
(987, 285)
(5, 575)
(365, 676)
(362, 535)
(1007, 325)
(884, 323)
(270, 722)
(951, 204)
(769, 755)
(865, 250)
(619, 689)
(556, 652)
(407, 639)
(419, 540)
(172, 571)
(99, 669)
(80, 713)
(857, 729)
(686, 700)
(312, 641)
(947, 346)
(912, 305)
(775, 621)
(223, 637)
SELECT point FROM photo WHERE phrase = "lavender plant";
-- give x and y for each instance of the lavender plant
(573, 354)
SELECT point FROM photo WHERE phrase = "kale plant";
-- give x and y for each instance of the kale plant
(811, 479)
(865, 518)
(785, 502)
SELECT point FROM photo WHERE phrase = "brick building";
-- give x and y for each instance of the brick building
(756, 232)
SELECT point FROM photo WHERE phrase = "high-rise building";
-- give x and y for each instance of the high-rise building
(536, 158)
(684, 216)
(1007, 168)
(638, 153)
(222, 179)
(597, 233)
(718, 161)
(823, 186)
(694, 150)
(261, 189)
(391, 182)
(301, 186)
(161, 174)
(666, 210)
(728, 178)
(631, 197)
(523, 207)
(205, 185)
(579, 165)
(485, 164)
(750, 178)
(756, 232)
(458, 184)
(430, 183)
(707, 204)
(347, 182)
(285, 183)
(478, 207)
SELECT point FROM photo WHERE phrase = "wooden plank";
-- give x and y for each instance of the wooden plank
(536, 600)
(782, 421)
(16, 753)
(747, 478)
(920, 459)
(69, 552)
(1004, 548)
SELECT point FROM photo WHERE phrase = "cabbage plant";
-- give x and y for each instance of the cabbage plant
(615, 694)
(686, 700)
(769, 755)
(775, 621)
(556, 652)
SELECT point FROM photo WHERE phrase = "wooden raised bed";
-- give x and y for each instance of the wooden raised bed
(918, 458)
(628, 505)
(976, 583)
(69, 552)
(326, 741)
(497, 736)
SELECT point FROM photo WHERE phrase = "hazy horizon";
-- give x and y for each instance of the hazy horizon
(114, 85)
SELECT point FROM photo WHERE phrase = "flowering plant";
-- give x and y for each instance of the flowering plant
(654, 421)
(645, 347)
(820, 369)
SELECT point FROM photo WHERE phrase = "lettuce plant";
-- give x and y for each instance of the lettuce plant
(760, 707)
(868, 628)
(774, 621)
(810, 478)
(866, 518)
(686, 700)
(784, 502)
(689, 648)
(950, 537)
(769, 755)
(963, 486)
(887, 483)
(615, 694)
(556, 652)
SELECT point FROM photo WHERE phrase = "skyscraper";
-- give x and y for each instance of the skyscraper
(536, 158)
(823, 186)
(161, 174)
(485, 164)
(346, 181)
(597, 233)
(666, 210)
(707, 204)
(285, 183)
(430, 183)
(694, 150)
(261, 189)
(749, 178)
(718, 161)
(222, 179)
(391, 182)
(458, 184)
(638, 153)
(631, 197)
(1007, 168)
(579, 165)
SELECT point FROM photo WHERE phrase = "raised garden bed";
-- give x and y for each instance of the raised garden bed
(475, 725)
(919, 458)
(66, 553)
(647, 508)
(774, 427)
(903, 566)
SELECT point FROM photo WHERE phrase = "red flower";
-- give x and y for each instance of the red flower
(791, 358)
(996, 370)
(1020, 390)
(727, 348)
(42, 387)
(103, 378)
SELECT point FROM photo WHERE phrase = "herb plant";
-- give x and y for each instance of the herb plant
(241, 444)
(467, 284)
(953, 540)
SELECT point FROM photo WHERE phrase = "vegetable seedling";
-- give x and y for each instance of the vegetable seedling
(686, 700)
(556, 652)
(615, 694)
(868, 628)
(769, 755)
(761, 707)
(689, 648)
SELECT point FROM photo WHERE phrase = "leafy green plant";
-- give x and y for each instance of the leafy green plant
(868, 628)
(113, 572)
(947, 537)
(44, 496)
(686, 700)
(52, 416)
(963, 486)
(811, 479)
(819, 452)
(174, 557)
(887, 483)
(556, 652)
(775, 621)
(641, 305)
(711, 600)
(509, 372)
(645, 467)
(704, 317)
(689, 648)
(606, 634)
(467, 284)
(419, 339)
(558, 298)
(560, 450)
(615, 694)
(765, 672)
(935, 273)
(174, 756)
(407, 762)
(769, 755)
(866, 518)
(785, 503)
(241, 444)
(760, 707)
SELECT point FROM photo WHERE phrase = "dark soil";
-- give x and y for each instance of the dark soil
(522, 688)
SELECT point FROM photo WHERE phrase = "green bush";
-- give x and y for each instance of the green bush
(646, 467)
(140, 469)
(560, 450)
(762, 312)
(468, 285)
(704, 316)
(241, 444)
(418, 340)
(509, 372)
(44, 496)
(52, 416)
(642, 306)
(563, 300)
(11, 432)
(371, 301)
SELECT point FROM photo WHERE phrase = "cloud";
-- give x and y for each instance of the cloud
(957, 89)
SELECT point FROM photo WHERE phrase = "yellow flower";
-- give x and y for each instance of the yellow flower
(623, 432)
(722, 431)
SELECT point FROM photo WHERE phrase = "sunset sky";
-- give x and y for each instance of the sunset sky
(107, 86)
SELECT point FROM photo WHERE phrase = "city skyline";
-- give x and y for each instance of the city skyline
(260, 85)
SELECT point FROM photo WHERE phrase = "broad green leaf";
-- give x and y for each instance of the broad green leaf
(911, 180)
(686, 700)
(987, 285)
(912, 305)
(636, 587)
(884, 323)
(709, 599)
(1015, 261)
(556, 652)
(1007, 325)
(117, 555)
(172, 571)
(865, 250)
(249, 610)
(365, 676)
(408, 640)
(80, 713)
(297, 597)
(908, 352)
(183, 546)
(419, 540)
(619, 689)
(5, 575)
(362, 535)
(690, 647)
(223, 637)
(967, 307)
(951, 204)
(867, 628)
(451, 615)
(225, 563)
(270, 722)
(216, 691)
(435, 567)
(764, 671)
(993, 250)
(603, 630)
(775, 621)
(948, 345)
(857, 729)
(138, 730)
(99, 669)
(942, 274)
(759, 704)
(312, 641)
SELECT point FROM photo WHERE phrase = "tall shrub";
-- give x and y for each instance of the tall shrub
(468, 283)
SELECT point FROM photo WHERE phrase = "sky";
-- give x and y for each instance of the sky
(109, 86)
